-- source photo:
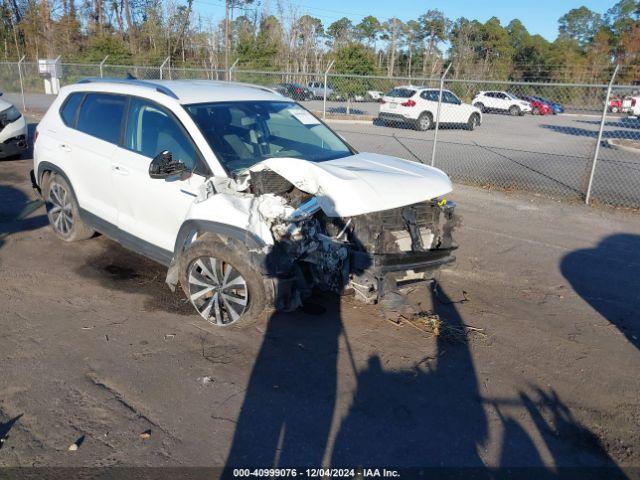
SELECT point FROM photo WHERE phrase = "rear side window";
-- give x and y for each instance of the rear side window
(401, 93)
(70, 108)
(430, 95)
(101, 116)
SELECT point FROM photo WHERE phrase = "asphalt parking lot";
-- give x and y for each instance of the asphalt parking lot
(535, 362)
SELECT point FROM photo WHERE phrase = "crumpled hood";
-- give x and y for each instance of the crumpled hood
(361, 183)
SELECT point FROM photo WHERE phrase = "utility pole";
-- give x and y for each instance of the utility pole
(226, 35)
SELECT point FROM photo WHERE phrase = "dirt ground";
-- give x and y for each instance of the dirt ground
(535, 363)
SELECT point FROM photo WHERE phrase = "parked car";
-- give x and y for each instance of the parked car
(615, 105)
(556, 108)
(418, 107)
(634, 106)
(295, 91)
(500, 102)
(317, 89)
(13, 130)
(374, 95)
(538, 107)
(248, 199)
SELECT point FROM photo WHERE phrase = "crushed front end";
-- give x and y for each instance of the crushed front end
(372, 254)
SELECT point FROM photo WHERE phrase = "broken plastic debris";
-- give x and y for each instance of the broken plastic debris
(206, 380)
(145, 435)
(73, 447)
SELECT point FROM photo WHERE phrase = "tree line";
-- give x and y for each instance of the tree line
(276, 36)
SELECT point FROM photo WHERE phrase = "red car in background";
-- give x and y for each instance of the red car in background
(538, 107)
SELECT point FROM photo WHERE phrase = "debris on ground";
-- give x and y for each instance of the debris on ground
(145, 435)
(430, 323)
(75, 445)
(206, 380)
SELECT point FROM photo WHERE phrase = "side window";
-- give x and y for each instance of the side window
(501, 96)
(430, 95)
(101, 116)
(490, 95)
(151, 129)
(450, 98)
(70, 108)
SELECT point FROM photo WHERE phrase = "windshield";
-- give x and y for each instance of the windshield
(242, 134)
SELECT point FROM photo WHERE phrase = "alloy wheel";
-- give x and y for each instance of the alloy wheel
(61, 211)
(217, 290)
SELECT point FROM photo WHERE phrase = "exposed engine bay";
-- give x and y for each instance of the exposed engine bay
(370, 254)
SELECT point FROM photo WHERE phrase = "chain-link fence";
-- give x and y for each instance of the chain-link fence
(537, 137)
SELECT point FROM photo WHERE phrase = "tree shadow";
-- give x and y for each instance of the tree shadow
(6, 427)
(590, 133)
(606, 277)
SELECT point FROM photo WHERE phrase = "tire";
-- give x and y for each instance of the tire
(535, 111)
(63, 211)
(514, 110)
(424, 122)
(480, 106)
(243, 282)
(614, 110)
(474, 121)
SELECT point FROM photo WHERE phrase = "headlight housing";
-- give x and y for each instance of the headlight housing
(8, 116)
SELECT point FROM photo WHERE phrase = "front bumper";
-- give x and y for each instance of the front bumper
(13, 146)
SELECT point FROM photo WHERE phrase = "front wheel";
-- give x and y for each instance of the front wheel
(614, 110)
(515, 110)
(221, 283)
(535, 111)
(63, 210)
(424, 122)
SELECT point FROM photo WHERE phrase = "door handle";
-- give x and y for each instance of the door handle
(65, 147)
(121, 170)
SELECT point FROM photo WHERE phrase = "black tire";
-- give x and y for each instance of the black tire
(257, 303)
(514, 110)
(614, 110)
(480, 106)
(424, 122)
(63, 211)
(535, 111)
(474, 121)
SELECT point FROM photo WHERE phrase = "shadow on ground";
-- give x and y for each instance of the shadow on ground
(606, 277)
(16, 212)
(431, 414)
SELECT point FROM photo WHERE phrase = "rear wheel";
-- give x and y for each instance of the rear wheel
(480, 106)
(221, 284)
(63, 211)
(514, 110)
(424, 122)
(535, 111)
(614, 110)
(474, 121)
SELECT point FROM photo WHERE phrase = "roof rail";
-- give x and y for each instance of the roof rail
(128, 81)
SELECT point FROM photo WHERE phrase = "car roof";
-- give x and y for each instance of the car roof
(184, 91)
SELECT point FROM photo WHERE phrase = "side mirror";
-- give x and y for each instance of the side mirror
(164, 166)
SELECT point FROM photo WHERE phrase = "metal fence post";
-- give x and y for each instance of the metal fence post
(101, 65)
(435, 133)
(24, 106)
(162, 66)
(231, 69)
(324, 96)
(597, 149)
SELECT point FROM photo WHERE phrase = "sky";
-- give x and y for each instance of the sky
(539, 16)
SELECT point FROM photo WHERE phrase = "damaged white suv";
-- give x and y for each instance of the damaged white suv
(248, 198)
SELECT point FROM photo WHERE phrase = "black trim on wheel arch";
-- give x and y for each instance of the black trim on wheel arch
(127, 240)
(246, 237)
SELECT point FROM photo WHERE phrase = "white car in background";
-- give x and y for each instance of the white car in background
(418, 106)
(317, 89)
(497, 101)
(13, 130)
(634, 106)
(375, 95)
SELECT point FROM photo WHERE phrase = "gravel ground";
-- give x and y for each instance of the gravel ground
(94, 347)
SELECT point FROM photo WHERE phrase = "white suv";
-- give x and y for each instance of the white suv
(13, 130)
(501, 102)
(248, 198)
(418, 107)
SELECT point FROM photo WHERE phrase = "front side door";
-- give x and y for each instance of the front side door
(154, 209)
(452, 112)
(90, 145)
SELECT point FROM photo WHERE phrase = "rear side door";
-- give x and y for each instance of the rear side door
(90, 146)
(153, 209)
